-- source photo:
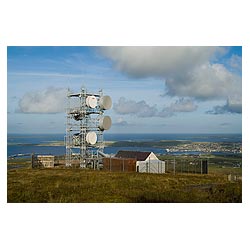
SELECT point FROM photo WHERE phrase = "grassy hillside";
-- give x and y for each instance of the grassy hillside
(78, 185)
(223, 165)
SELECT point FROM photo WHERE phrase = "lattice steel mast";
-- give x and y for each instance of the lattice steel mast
(84, 128)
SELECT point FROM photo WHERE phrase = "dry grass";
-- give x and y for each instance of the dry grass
(78, 185)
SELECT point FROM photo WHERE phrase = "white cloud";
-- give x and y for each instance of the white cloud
(142, 109)
(157, 61)
(183, 105)
(121, 122)
(189, 72)
(231, 106)
(205, 82)
(51, 100)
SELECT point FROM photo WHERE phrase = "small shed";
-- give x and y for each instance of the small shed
(43, 161)
(146, 162)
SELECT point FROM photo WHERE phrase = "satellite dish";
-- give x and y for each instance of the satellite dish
(91, 138)
(91, 101)
(105, 102)
(105, 123)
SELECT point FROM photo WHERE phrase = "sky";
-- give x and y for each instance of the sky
(153, 89)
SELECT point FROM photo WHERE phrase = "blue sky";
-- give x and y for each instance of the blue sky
(154, 89)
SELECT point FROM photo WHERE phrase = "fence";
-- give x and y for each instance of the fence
(151, 166)
(175, 165)
(196, 166)
(119, 164)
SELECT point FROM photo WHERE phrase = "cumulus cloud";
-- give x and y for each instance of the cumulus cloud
(205, 82)
(144, 61)
(142, 109)
(183, 105)
(51, 100)
(189, 72)
(231, 106)
(121, 122)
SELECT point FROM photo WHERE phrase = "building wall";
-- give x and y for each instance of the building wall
(119, 164)
(150, 166)
(43, 161)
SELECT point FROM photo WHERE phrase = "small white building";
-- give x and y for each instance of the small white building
(146, 162)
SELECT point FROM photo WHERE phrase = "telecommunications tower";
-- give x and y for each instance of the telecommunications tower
(85, 126)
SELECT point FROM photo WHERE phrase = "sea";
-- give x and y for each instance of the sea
(33, 143)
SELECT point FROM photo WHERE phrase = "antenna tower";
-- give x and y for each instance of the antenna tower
(84, 128)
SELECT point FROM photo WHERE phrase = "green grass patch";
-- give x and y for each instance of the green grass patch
(79, 185)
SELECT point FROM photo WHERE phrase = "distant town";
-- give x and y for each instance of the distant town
(173, 146)
(207, 147)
